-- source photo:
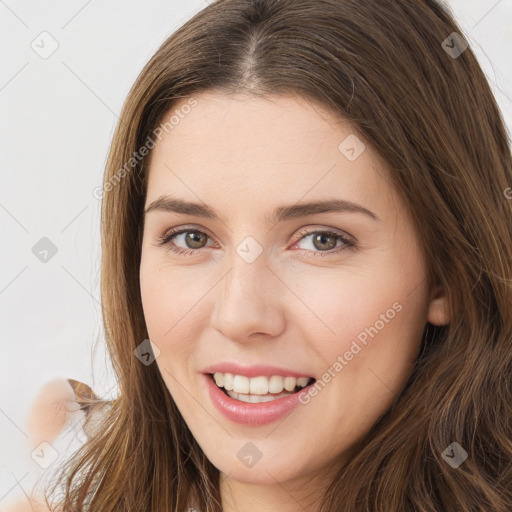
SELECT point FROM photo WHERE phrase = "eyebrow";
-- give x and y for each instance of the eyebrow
(280, 214)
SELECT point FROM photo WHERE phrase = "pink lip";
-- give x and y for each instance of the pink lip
(249, 413)
(253, 370)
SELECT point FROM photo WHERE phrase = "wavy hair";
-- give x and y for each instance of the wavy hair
(408, 85)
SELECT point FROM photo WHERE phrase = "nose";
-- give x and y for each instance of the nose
(249, 302)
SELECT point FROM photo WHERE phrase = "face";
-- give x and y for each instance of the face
(259, 286)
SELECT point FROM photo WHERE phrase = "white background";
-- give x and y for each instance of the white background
(57, 119)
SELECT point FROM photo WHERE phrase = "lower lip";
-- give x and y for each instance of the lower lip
(249, 413)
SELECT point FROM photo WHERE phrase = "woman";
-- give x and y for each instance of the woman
(305, 210)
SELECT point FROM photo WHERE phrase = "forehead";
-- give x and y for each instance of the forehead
(262, 149)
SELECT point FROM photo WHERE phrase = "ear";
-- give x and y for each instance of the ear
(438, 310)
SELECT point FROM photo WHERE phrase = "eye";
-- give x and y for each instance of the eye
(326, 242)
(194, 238)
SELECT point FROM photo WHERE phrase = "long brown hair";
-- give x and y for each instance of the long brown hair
(412, 90)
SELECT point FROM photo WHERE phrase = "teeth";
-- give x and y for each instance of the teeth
(240, 384)
(302, 382)
(289, 383)
(228, 381)
(258, 386)
(219, 379)
(275, 384)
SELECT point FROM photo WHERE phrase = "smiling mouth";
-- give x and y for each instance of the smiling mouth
(259, 389)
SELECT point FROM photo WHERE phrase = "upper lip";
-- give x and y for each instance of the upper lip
(256, 370)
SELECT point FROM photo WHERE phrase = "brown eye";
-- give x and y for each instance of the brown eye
(195, 239)
(324, 241)
(192, 239)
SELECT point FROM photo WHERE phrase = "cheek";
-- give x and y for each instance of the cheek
(339, 306)
(367, 361)
(366, 326)
(170, 300)
(174, 316)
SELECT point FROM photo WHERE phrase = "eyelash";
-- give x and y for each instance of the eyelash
(349, 243)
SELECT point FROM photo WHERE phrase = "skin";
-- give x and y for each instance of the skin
(295, 306)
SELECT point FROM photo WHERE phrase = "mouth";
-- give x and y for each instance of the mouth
(259, 389)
